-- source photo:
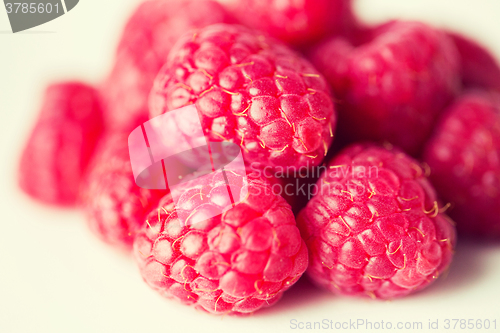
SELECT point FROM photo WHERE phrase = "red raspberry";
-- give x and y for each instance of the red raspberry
(114, 205)
(148, 36)
(296, 22)
(375, 228)
(465, 162)
(479, 66)
(249, 90)
(237, 262)
(62, 143)
(392, 87)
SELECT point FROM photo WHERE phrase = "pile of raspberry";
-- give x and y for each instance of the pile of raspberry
(394, 128)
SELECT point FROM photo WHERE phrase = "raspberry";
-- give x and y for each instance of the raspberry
(296, 22)
(479, 67)
(62, 143)
(394, 86)
(114, 205)
(146, 40)
(375, 227)
(237, 262)
(249, 90)
(465, 162)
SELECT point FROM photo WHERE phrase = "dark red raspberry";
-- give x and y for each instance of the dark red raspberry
(393, 86)
(480, 69)
(464, 156)
(148, 36)
(296, 22)
(114, 205)
(375, 228)
(62, 143)
(235, 263)
(249, 90)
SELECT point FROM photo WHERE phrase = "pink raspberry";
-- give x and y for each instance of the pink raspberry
(480, 69)
(393, 86)
(296, 22)
(235, 263)
(62, 143)
(249, 90)
(375, 228)
(114, 205)
(148, 36)
(464, 158)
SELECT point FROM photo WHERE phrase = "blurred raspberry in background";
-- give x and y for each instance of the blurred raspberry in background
(62, 142)
(148, 36)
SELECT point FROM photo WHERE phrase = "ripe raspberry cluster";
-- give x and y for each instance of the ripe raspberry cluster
(62, 143)
(375, 227)
(394, 85)
(250, 90)
(114, 205)
(464, 155)
(425, 100)
(147, 38)
(233, 263)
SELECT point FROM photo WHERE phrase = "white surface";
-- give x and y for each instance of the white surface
(56, 277)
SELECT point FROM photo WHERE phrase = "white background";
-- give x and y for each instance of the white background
(56, 277)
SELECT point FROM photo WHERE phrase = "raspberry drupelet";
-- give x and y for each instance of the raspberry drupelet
(375, 228)
(235, 263)
(250, 90)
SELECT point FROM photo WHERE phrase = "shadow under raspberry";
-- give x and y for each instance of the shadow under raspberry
(301, 295)
(468, 268)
